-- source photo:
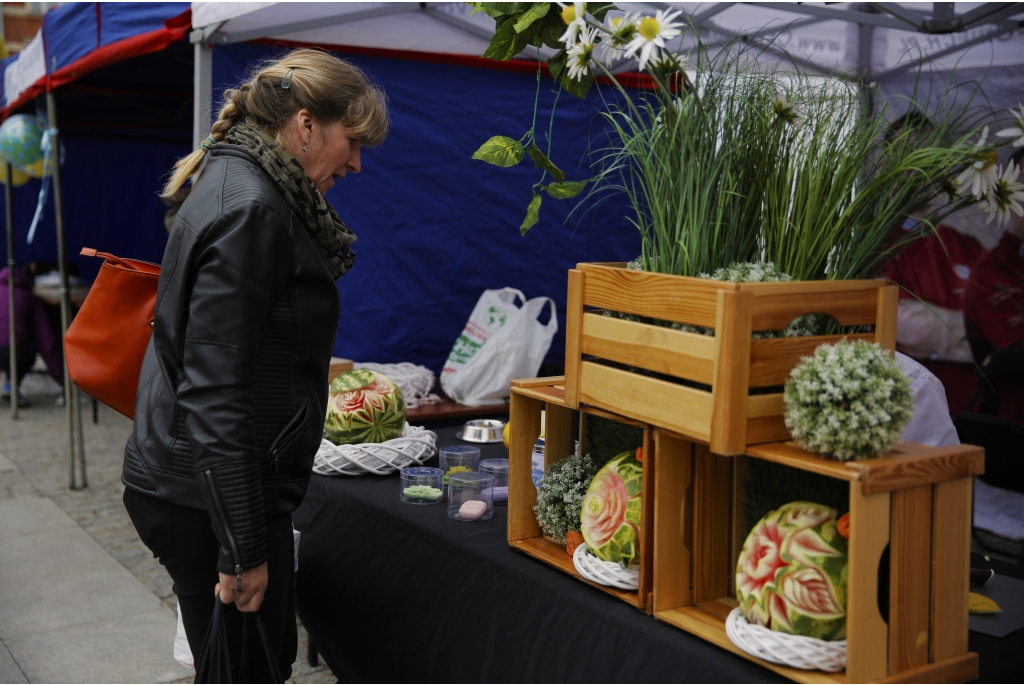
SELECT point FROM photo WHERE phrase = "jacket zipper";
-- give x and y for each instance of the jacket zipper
(224, 522)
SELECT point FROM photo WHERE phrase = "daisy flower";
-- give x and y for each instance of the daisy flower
(1017, 130)
(786, 110)
(620, 31)
(1004, 195)
(981, 174)
(651, 33)
(581, 54)
(667, 63)
(574, 16)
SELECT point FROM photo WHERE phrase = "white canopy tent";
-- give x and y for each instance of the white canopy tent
(879, 45)
(871, 42)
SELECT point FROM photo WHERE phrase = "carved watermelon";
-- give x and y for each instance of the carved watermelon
(791, 574)
(610, 515)
(364, 406)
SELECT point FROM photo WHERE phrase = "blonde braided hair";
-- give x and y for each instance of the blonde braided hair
(332, 89)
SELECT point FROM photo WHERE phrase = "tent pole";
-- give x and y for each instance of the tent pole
(202, 101)
(12, 376)
(71, 404)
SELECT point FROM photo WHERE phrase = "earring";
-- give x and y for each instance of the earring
(305, 148)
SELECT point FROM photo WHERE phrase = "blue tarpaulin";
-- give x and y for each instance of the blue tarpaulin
(436, 227)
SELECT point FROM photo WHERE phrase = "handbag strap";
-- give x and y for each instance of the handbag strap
(253, 619)
(123, 263)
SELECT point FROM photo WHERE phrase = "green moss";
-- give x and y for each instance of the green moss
(607, 439)
(769, 486)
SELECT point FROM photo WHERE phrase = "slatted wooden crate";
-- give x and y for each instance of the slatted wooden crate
(728, 416)
(562, 427)
(916, 502)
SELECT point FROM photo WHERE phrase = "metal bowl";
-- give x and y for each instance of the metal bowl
(484, 431)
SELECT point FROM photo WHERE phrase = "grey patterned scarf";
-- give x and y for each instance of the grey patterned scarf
(330, 234)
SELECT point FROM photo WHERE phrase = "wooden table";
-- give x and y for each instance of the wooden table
(51, 295)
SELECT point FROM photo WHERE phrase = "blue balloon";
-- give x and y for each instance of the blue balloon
(20, 140)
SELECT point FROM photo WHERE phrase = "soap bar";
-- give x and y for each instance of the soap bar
(472, 510)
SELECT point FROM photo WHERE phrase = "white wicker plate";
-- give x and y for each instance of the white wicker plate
(416, 446)
(808, 653)
(605, 572)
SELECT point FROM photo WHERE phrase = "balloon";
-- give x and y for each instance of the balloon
(20, 178)
(20, 140)
(36, 170)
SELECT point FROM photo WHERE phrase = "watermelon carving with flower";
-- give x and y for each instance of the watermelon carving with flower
(364, 406)
(791, 574)
(610, 515)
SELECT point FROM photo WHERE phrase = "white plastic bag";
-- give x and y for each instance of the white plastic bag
(502, 341)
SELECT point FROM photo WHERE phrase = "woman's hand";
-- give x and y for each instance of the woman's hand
(254, 585)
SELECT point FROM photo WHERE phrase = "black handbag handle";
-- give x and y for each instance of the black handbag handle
(214, 664)
(254, 619)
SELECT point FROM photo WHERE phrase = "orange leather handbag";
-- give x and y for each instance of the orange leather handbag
(105, 343)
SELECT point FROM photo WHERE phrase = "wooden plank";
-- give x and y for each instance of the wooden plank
(960, 669)
(720, 608)
(737, 519)
(555, 555)
(951, 550)
(764, 419)
(911, 465)
(573, 337)
(768, 290)
(867, 635)
(711, 628)
(664, 404)
(534, 382)
(910, 554)
(656, 348)
(646, 584)
(767, 429)
(772, 359)
(659, 296)
(544, 393)
(853, 307)
(731, 373)
(885, 319)
(559, 433)
(594, 411)
(522, 495)
(764, 406)
(711, 532)
(790, 454)
(672, 476)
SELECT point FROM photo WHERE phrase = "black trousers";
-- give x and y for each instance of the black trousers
(183, 540)
(24, 360)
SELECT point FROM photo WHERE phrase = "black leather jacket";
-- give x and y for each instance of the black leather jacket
(233, 389)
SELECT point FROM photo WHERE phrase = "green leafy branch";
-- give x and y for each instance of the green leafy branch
(517, 26)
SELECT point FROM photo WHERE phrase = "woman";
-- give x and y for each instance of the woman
(233, 389)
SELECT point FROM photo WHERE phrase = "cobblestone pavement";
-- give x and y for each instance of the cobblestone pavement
(37, 444)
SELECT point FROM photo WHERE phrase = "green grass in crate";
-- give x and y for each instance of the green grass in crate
(607, 438)
(769, 486)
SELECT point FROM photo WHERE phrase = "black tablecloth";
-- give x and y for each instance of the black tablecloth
(396, 592)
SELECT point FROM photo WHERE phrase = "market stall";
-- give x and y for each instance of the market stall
(762, 492)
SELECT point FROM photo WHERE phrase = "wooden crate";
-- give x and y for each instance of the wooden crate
(727, 417)
(562, 427)
(916, 502)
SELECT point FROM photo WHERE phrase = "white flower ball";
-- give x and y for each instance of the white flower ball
(848, 401)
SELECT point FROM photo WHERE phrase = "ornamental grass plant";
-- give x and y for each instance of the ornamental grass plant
(748, 164)
(732, 159)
